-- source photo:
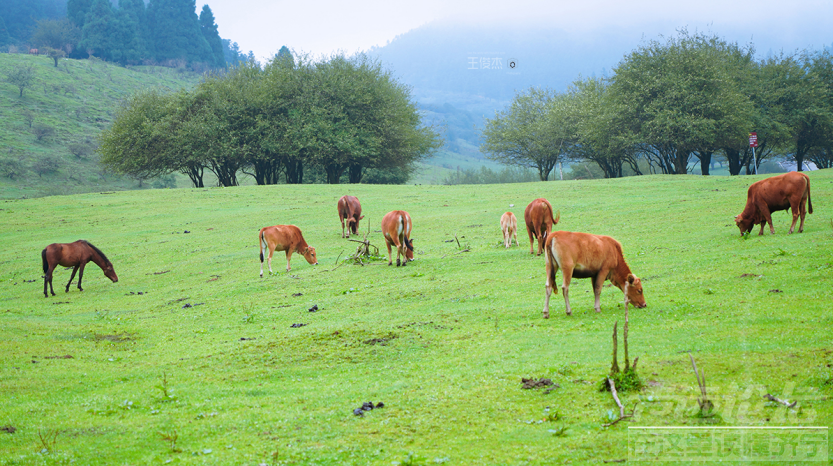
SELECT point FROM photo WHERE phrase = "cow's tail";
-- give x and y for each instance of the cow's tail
(45, 262)
(262, 244)
(809, 201)
(556, 218)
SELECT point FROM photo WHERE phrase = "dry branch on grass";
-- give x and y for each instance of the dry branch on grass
(622, 414)
(783, 402)
(706, 405)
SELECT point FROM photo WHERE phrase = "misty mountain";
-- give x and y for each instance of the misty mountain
(461, 74)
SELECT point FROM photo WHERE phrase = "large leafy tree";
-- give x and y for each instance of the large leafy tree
(602, 136)
(682, 97)
(808, 110)
(337, 115)
(536, 131)
(154, 134)
(360, 117)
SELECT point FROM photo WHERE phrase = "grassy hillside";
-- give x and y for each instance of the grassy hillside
(193, 358)
(47, 137)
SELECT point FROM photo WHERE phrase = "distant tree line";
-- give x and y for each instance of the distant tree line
(692, 98)
(339, 119)
(164, 32)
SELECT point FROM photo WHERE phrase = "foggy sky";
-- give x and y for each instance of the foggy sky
(263, 26)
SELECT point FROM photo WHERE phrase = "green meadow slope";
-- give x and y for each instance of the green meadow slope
(192, 358)
(47, 136)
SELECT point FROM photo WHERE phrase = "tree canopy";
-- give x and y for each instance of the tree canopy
(342, 116)
(691, 97)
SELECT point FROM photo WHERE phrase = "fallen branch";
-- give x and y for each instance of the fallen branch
(783, 402)
(622, 414)
(614, 461)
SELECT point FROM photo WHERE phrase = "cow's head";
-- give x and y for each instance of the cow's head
(409, 249)
(353, 224)
(633, 291)
(309, 255)
(744, 224)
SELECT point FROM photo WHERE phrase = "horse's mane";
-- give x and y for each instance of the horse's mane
(106, 260)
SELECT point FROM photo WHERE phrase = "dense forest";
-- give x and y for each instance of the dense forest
(129, 32)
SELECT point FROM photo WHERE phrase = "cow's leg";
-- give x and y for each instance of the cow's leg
(80, 275)
(342, 227)
(74, 270)
(269, 259)
(390, 258)
(288, 256)
(515, 232)
(567, 272)
(795, 210)
(399, 253)
(531, 239)
(598, 283)
(552, 269)
(768, 216)
(802, 209)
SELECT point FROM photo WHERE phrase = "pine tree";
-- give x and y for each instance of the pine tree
(132, 30)
(212, 36)
(77, 11)
(285, 56)
(175, 29)
(100, 35)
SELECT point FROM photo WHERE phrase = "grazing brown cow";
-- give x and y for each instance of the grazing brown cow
(509, 227)
(33, 51)
(350, 209)
(284, 238)
(782, 192)
(396, 226)
(582, 255)
(539, 222)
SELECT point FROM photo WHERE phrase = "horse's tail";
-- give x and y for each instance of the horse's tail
(262, 245)
(45, 262)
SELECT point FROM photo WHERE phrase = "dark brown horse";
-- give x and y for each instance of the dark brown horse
(75, 255)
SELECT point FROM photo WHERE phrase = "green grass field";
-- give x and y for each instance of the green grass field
(192, 358)
(63, 110)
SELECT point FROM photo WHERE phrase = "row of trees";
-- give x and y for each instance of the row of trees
(692, 97)
(167, 32)
(339, 116)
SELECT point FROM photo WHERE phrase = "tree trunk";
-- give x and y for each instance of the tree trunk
(295, 171)
(681, 162)
(195, 174)
(705, 161)
(733, 158)
(356, 172)
(334, 171)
